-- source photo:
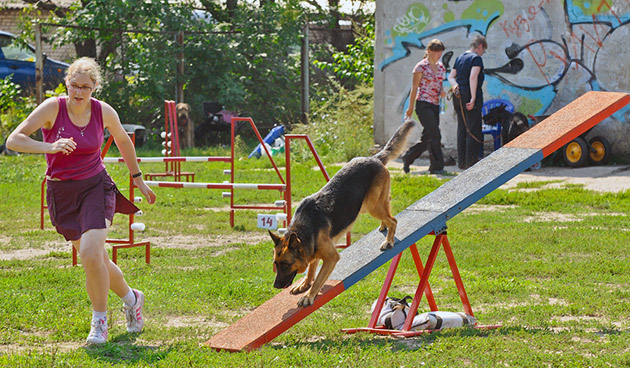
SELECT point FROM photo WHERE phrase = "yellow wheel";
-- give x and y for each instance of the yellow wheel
(599, 150)
(575, 152)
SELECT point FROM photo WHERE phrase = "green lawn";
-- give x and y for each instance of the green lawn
(551, 266)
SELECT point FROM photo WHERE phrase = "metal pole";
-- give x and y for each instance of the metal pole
(180, 68)
(39, 64)
(305, 75)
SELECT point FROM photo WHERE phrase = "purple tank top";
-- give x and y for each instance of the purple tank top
(85, 161)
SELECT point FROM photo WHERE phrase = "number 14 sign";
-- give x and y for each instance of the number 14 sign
(267, 222)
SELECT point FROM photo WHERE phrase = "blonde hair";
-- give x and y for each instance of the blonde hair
(434, 45)
(85, 65)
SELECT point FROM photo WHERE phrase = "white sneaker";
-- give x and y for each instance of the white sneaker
(135, 322)
(98, 333)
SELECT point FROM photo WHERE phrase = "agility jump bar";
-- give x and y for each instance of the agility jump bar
(425, 216)
(172, 184)
(111, 160)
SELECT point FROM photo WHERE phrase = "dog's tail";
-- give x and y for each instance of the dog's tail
(396, 143)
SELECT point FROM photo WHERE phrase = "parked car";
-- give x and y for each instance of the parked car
(19, 61)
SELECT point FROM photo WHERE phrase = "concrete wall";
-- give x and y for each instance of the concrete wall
(541, 55)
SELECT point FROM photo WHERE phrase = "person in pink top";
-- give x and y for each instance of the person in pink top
(81, 196)
(426, 91)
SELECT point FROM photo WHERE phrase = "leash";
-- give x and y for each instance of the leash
(452, 94)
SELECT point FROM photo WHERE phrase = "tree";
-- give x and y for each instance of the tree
(242, 55)
(356, 65)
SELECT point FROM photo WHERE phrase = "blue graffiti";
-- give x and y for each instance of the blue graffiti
(402, 44)
(500, 82)
(577, 16)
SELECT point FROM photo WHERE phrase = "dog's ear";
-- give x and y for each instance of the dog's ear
(274, 237)
(294, 242)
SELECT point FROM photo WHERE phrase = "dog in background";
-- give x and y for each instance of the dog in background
(185, 124)
(519, 124)
(362, 185)
(512, 124)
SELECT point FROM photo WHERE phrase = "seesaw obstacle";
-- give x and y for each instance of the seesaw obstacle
(426, 216)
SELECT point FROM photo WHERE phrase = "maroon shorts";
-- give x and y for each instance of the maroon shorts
(76, 206)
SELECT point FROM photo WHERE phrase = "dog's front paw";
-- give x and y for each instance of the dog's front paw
(306, 300)
(300, 287)
(386, 245)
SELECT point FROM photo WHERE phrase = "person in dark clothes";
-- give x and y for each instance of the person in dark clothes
(466, 80)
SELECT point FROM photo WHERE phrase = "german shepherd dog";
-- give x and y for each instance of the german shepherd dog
(362, 185)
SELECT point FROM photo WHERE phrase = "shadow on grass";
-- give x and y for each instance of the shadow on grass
(123, 348)
(364, 339)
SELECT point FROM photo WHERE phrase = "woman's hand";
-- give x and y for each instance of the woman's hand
(409, 112)
(471, 104)
(145, 190)
(455, 90)
(64, 145)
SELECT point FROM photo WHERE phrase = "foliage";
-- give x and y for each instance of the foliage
(244, 55)
(19, 107)
(14, 108)
(268, 60)
(9, 94)
(341, 123)
(356, 65)
(236, 63)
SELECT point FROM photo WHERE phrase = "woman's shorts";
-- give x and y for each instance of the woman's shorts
(76, 206)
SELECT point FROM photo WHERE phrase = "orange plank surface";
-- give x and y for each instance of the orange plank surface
(571, 121)
(270, 319)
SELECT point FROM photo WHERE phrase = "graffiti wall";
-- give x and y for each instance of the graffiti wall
(542, 54)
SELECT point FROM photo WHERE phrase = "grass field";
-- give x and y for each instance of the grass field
(550, 265)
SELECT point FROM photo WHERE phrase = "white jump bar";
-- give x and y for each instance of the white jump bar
(110, 160)
(171, 184)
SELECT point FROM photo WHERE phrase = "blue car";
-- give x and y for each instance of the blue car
(19, 61)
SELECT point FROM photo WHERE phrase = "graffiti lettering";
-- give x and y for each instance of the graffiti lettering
(414, 20)
(522, 23)
(540, 64)
(597, 38)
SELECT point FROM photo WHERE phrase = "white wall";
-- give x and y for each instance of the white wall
(542, 54)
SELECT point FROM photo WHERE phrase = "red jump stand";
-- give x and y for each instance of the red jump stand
(171, 147)
(441, 239)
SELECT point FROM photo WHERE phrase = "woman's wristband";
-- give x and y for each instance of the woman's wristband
(139, 173)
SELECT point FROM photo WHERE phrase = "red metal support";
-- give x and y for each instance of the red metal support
(458, 279)
(423, 288)
(372, 325)
(233, 206)
(424, 281)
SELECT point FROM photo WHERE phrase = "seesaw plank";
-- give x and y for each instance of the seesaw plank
(572, 120)
(270, 319)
